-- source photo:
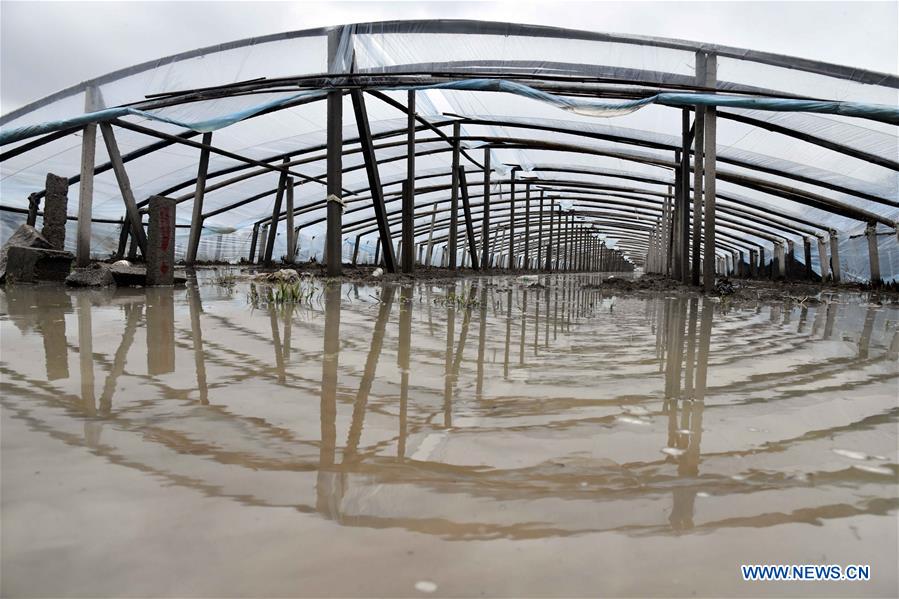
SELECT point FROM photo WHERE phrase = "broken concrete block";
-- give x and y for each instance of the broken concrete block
(28, 264)
(95, 275)
(56, 203)
(161, 242)
(25, 236)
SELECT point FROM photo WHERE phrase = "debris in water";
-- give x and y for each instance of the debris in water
(636, 410)
(673, 451)
(852, 455)
(425, 586)
(377, 273)
(631, 420)
(873, 469)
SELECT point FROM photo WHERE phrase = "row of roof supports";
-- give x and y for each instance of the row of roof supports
(704, 213)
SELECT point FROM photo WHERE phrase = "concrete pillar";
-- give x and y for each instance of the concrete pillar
(780, 260)
(807, 250)
(56, 203)
(263, 241)
(835, 257)
(161, 242)
(790, 260)
(873, 255)
(822, 259)
(92, 102)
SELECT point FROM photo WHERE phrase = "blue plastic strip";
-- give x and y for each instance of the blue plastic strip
(597, 108)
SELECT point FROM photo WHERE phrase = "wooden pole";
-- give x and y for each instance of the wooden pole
(469, 224)
(512, 221)
(540, 235)
(118, 167)
(276, 212)
(374, 178)
(527, 225)
(684, 204)
(333, 247)
(289, 226)
(698, 163)
(431, 236)
(92, 102)
(196, 222)
(454, 201)
(408, 256)
(485, 217)
(708, 276)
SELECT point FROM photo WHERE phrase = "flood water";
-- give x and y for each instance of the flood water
(481, 438)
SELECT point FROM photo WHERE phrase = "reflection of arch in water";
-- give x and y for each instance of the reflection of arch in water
(432, 481)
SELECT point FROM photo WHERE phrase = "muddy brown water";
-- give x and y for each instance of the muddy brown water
(480, 437)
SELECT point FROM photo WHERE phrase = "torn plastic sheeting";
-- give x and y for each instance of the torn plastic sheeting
(877, 112)
(109, 114)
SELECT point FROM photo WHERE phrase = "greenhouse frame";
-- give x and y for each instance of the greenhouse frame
(476, 144)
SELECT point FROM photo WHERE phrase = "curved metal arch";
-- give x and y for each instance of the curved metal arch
(772, 188)
(486, 28)
(395, 216)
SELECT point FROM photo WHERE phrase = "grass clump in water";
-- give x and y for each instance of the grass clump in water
(226, 280)
(282, 293)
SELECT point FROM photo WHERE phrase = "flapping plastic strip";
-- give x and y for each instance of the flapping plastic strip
(877, 112)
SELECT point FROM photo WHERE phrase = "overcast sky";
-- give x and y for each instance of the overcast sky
(46, 46)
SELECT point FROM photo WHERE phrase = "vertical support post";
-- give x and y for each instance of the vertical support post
(408, 255)
(454, 201)
(873, 255)
(196, 222)
(527, 225)
(263, 241)
(676, 219)
(835, 257)
(781, 259)
(356, 249)
(86, 184)
(469, 224)
(540, 235)
(292, 235)
(684, 220)
(253, 241)
(807, 245)
(374, 179)
(334, 235)
(431, 236)
(160, 253)
(485, 214)
(549, 246)
(276, 214)
(708, 277)
(118, 166)
(698, 172)
(822, 259)
(512, 220)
